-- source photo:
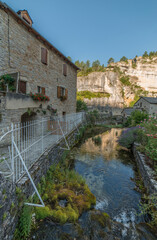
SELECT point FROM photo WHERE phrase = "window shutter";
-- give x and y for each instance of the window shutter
(44, 56)
(43, 90)
(22, 87)
(64, 69)
(66, 93)
(58, 92)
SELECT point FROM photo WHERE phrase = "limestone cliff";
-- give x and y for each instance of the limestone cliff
(124, 81)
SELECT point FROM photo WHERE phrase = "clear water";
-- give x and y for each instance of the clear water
(109, 173)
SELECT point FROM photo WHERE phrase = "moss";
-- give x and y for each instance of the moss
(102, 218)
(4, 216)
(66, 185)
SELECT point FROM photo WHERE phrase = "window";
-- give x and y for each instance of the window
(140, 104)
(41, 90)
(62, 92)
(44, 54)
(64, 69)
(22, 87)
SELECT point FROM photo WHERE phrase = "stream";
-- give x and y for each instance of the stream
(109, 173)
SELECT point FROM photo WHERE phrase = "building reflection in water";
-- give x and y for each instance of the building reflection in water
(108, 147)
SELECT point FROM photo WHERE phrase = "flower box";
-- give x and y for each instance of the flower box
(39, 97)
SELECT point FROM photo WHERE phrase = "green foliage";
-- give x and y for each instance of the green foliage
(150, 55)
(23, 228)
(149, 206)
(134, 65)
(125, 80)
(128, 137)
(64, 184)
(136, 118)
(97, 140)
(124, 59)
(4, 216)
(87, 67)
(96, 64)
(89, 95)
(81, 106)
(93, 117)
(145, 54)
(7, 80)
(70, 59)
(136, 98)
(147, 137)
(111, 60)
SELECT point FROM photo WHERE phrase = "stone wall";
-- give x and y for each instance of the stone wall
(146, 172)
(21, 52)
(8, 199)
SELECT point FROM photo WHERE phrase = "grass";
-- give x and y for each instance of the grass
(89, 95)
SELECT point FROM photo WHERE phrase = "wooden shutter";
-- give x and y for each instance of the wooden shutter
(44, 56)
(43, 90)
(22, 87)
(64, 69)
(66, 93)
(58, 92)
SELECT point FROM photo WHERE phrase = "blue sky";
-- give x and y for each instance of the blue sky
(95, 29)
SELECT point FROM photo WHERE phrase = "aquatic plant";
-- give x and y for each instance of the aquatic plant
(68, 185)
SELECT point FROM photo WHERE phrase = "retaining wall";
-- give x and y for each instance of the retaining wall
(146, 172)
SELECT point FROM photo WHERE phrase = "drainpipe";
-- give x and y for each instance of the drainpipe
(9, 41)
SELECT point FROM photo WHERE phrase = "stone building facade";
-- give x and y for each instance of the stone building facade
(37, 67)
(147, 104)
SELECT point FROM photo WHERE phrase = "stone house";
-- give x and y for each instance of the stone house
(126, 112)
(36, 67)
(147, 104)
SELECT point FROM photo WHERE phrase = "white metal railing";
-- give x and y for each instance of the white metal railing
(30, 140)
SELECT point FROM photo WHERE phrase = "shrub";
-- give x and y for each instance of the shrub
(111, 60)
(93, 116)
(125, 80)
(124, 59)
(89, 95)
(136, 118)
(81, 106)
(150, 207)
(128, 137)
(23, 229)
(7, 80)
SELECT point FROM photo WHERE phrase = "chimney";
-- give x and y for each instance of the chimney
(25, 15)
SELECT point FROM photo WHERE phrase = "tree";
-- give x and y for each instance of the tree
(69, 58)
(96, 64)
(123, 59)
(145, 54)
(111, 60)
(77, 63)
(88, 64)
(81, 106)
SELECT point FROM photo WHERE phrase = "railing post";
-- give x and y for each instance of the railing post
(12, 151)
(42, 147)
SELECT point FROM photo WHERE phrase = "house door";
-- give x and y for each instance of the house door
(22, 87)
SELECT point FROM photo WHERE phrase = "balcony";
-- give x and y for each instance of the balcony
(13, 101)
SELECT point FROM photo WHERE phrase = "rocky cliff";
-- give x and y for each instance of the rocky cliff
(124, 81)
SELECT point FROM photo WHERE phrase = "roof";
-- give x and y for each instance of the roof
(20, 20)
(24, 10)
(150, 100)
(128, 110)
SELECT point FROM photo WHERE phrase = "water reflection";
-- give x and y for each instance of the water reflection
(108, 147)
(108, 172)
